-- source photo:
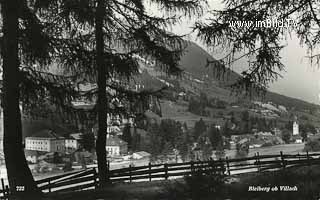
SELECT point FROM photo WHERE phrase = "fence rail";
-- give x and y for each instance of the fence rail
(87, 179)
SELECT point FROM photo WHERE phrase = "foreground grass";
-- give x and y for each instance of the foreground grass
(306, 180)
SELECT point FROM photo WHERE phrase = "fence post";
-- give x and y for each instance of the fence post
(49, 185)
(7, 190)
(149, 171)
(308, 158)
(282, 160)
(192, 167)
(255, 156)
(258, 161)
(166, 171)
(222, 167)
(214, 167)
(228, 166)
(211, 165)
(130, 173)
(108, 172)
(95, 178)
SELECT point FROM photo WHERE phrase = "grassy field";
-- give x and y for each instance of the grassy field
(272, 150)
(304, 179)
(178, 112)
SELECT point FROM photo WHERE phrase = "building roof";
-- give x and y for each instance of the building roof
(76, 136)
(264, 133)
(115, 141)
(142, 153)
(46, 134)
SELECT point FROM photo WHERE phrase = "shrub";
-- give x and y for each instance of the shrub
(305, 179)
(267, 144)
(198, 186)
(312, 145)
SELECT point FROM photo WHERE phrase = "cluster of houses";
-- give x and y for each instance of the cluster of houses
(48, 142)
(256, 140)
(260, 139)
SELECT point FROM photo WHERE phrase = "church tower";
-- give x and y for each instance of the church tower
(295, 126)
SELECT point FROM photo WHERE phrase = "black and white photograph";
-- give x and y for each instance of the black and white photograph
(160, 99)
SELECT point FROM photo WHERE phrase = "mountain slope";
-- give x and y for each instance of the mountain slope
(197, 78)
(194, 62)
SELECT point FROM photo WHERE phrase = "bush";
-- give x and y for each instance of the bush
(312, 145)
(198, 186)
(304, 178)
(267, 144)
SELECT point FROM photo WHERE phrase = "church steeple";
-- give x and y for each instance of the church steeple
(295, 126)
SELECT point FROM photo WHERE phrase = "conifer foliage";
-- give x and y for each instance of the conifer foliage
(272, 23)
(100, 42)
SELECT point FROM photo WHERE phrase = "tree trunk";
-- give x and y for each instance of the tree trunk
(102, 97)
(17, 168)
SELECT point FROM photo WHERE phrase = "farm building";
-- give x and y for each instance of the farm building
(115, 146)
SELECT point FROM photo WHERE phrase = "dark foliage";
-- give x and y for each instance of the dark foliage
(199, 128)
(286, 136)
(215, 136)
(198, 186)
(261, 45)
(126, 135)
(87, 141)
(304, 178)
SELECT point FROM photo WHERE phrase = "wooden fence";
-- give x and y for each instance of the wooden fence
(88, 179)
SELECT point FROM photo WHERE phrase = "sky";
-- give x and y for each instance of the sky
(300, 79)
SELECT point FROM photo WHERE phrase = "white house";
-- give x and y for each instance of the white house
(73, 142)
(140, 155)
(297, 139)
(115, 146)
(45, 140)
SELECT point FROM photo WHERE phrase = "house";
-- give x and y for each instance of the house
(83, 157)
(196, 151)
(297, 139)
(46, 141)
(72, 142)
(255, 143)
(140, 155)
(33, 156)
(234, 138)
(267, 134)
(2, 161)
(232, 145)
(114, 129)
(115, 146)
(277, 132)
(127, 157)
(309, 135)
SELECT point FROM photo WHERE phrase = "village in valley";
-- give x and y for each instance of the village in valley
(196, 119)
(49, 151)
